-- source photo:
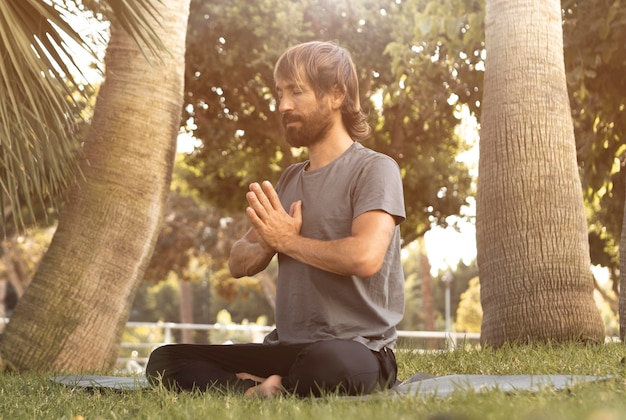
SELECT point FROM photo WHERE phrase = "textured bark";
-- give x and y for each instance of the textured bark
(533, 251)
(72, 316)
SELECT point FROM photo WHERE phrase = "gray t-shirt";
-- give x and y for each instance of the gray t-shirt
(313, 304)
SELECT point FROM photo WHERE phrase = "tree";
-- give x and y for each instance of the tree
(459, 279)
(622, 267)
(533, 252)
(72, 315)
(38, 148)
(594, 55)
(405, 85)
(469, 314)
(595, 52)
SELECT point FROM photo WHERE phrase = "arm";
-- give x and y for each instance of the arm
(361, 253)
(249, 255)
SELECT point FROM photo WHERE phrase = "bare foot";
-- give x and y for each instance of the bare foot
(244, 376)
(270, 387)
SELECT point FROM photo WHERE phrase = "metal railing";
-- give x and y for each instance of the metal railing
(413, 340)
(132, 361)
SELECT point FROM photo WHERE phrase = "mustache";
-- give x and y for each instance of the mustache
(289, 118)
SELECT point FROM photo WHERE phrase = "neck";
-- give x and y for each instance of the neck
(329, 149)
(336, 141)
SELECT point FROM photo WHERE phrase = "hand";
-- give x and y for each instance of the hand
(269, 219)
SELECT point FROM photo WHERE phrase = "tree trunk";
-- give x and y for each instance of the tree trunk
(3, 306)
(186, 310)
(428, 308)
(72, 316)
(622, 277)
(533, 251)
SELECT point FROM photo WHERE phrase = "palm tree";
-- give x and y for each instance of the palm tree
(72, 315)
(533, 251)
(38, 148)
(622, 282)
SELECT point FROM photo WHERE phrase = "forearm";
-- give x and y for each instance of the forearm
(347, 256)
(361, 253)
(248, 258)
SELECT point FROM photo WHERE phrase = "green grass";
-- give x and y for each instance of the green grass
(32, 396)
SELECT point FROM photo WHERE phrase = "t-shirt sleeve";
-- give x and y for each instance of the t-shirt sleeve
(379, 187)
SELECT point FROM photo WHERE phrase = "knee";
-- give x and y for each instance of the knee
(158, 364)
(337, 365)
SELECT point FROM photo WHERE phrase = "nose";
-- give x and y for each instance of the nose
(285, 104)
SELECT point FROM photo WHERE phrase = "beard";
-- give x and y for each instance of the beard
(312, 128)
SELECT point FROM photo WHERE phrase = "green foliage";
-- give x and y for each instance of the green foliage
(44, 92)
(232, 336)
(231, 107)
(243, 300)
(595, 53)
(141, 335)
(414, 305)
(460, 280)
(469, 314)
(37, 140)
(136, 17)
(157, 302)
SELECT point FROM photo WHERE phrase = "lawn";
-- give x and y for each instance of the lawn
(31, 396)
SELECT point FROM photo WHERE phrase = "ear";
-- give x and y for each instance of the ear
(337, 95)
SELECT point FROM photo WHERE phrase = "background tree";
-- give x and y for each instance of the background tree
(460, 277)
(533, 254)
(406, 87)
(193, 248)
(421, 62)
(469, 314)
(622, 266)
(595, 53)
(38, 145)
(594, 56)
(72, 315)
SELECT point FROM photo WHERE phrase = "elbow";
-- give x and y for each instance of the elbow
(368, 265)
(237, 260)
(235, 269)
(237, 265)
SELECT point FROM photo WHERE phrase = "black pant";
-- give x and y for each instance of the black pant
(343, 366)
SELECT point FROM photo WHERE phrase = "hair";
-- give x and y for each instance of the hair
(324, 65)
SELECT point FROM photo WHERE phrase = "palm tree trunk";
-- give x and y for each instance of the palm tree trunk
(72, 316)
(186, 310)
(622, 278)
(533, 251)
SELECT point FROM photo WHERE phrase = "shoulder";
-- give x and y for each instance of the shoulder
(291, 172)
(369, 155)
(295, 168)
(371, 160)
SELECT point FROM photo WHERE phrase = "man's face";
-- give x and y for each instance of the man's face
(306, 119)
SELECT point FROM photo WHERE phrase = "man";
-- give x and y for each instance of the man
(334, 223)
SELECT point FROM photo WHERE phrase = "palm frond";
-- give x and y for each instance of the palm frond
(39, 75)
(137, 17)
(38, 149)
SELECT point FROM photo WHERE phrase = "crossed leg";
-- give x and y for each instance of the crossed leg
(343, 366)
